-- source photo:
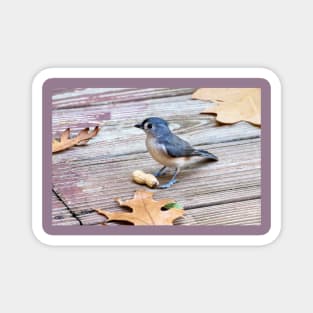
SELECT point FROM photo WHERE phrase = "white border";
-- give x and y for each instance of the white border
(147, 240)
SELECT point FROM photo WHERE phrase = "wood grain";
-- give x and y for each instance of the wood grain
(94, 182)
(226, 192)
(116, 134)
(238, 213)
(61, 214)
(95, 96)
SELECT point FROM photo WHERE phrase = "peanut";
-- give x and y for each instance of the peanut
(142, 178)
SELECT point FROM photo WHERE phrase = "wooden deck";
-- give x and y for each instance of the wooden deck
(226, 192)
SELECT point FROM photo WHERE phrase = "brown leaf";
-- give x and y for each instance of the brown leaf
(232, 104)
(145, 210)
(66, 142)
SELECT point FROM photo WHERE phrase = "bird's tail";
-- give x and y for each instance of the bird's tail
(206, 154)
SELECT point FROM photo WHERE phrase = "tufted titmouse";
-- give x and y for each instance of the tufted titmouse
(167, 148)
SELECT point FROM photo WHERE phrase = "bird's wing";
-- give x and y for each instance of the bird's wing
(177, 147)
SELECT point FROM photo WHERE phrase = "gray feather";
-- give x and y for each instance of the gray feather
(205, 154)
(176, 147)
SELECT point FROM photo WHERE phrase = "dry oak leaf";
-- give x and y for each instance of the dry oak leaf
(145, 210)
(232, 104)
(66, 142)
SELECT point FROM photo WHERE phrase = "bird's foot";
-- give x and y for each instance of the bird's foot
(160, 172)
(168, 185)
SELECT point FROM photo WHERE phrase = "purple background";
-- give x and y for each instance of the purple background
(54, 83)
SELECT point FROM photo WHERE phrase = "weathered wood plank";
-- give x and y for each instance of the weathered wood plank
(117, 139)
(92, 176)
(73, 93)
(61, 214)
(175, 108)
(238, 213)
(91, 183)
(116, 134)
(99, 96)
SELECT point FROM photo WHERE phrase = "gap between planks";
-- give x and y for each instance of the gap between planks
(65, 207)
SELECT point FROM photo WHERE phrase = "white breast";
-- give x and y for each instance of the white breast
(158, 152)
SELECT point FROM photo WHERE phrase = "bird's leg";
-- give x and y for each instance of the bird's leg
(160, 172)
(172, 181)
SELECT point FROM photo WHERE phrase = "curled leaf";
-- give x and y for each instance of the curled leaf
(65, 142)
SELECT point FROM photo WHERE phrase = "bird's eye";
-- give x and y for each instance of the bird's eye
(149, 126)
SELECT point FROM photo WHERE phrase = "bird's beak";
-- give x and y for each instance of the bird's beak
(138, 126)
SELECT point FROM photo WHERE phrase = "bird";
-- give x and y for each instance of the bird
(168, 149)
